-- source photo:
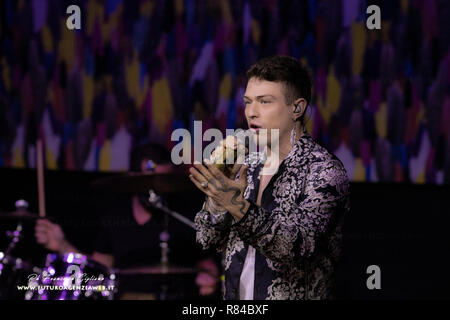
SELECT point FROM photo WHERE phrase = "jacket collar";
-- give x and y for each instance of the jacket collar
(298, 155)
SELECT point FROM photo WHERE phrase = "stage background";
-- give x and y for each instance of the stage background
(137, 70)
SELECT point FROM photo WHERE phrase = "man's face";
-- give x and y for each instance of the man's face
(266, 108)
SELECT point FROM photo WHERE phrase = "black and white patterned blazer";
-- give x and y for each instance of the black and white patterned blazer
(297, 230)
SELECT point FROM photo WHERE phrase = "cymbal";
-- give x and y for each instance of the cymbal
(19, 215)
(134, 182)
(159, 269)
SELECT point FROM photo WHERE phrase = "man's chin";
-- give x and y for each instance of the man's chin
(262, 138)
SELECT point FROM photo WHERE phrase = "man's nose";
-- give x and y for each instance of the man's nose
(251, 110)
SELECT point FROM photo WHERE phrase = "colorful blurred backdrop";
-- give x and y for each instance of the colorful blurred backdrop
(137, 70)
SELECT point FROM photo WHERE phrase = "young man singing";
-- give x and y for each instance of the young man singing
(281, 230)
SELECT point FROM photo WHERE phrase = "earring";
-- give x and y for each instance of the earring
(293, 136)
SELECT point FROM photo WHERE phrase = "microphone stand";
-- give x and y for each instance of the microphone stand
(164, 236)
(156, 201)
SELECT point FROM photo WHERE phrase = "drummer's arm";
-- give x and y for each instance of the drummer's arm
(51, 236)
(103, 258)
(66, 246)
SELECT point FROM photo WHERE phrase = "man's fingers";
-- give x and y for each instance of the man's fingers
(40, 229)
(40, 223)
(200, 178)
(215, 172)
(205, 279)
(39, 233)
(44, 223)
(44, 228)
(235, 170)
(41, 238)
(200, 172)
(203, 170)
(199, 186)
(243, 176)
(197, 175)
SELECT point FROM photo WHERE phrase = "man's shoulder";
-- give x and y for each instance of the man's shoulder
(324, 166)
(325, 159)
(321, 156)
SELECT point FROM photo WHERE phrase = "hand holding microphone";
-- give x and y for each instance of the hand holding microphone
(217, 177)
(229, 156)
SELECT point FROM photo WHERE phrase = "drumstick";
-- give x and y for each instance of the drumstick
(40, 178)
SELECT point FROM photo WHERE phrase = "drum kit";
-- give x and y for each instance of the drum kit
(74, 276)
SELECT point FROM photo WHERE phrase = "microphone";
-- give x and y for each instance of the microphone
(236, 152)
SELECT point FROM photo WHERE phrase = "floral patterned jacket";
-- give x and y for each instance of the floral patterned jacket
(297, 230)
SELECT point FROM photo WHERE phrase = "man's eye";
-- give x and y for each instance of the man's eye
(265, 101)
(247, 102)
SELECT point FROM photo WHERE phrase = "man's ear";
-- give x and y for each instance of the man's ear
(299, 108)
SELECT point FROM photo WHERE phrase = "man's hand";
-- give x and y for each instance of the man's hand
(227, 193)
(208, 278)
(51, 236)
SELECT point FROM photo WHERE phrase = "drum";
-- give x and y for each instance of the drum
(14, 273)
(72, 276)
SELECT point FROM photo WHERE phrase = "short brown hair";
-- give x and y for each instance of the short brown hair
(286, 70)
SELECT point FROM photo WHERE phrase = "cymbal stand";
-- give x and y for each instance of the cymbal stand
(157, 202)
(16, 235)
